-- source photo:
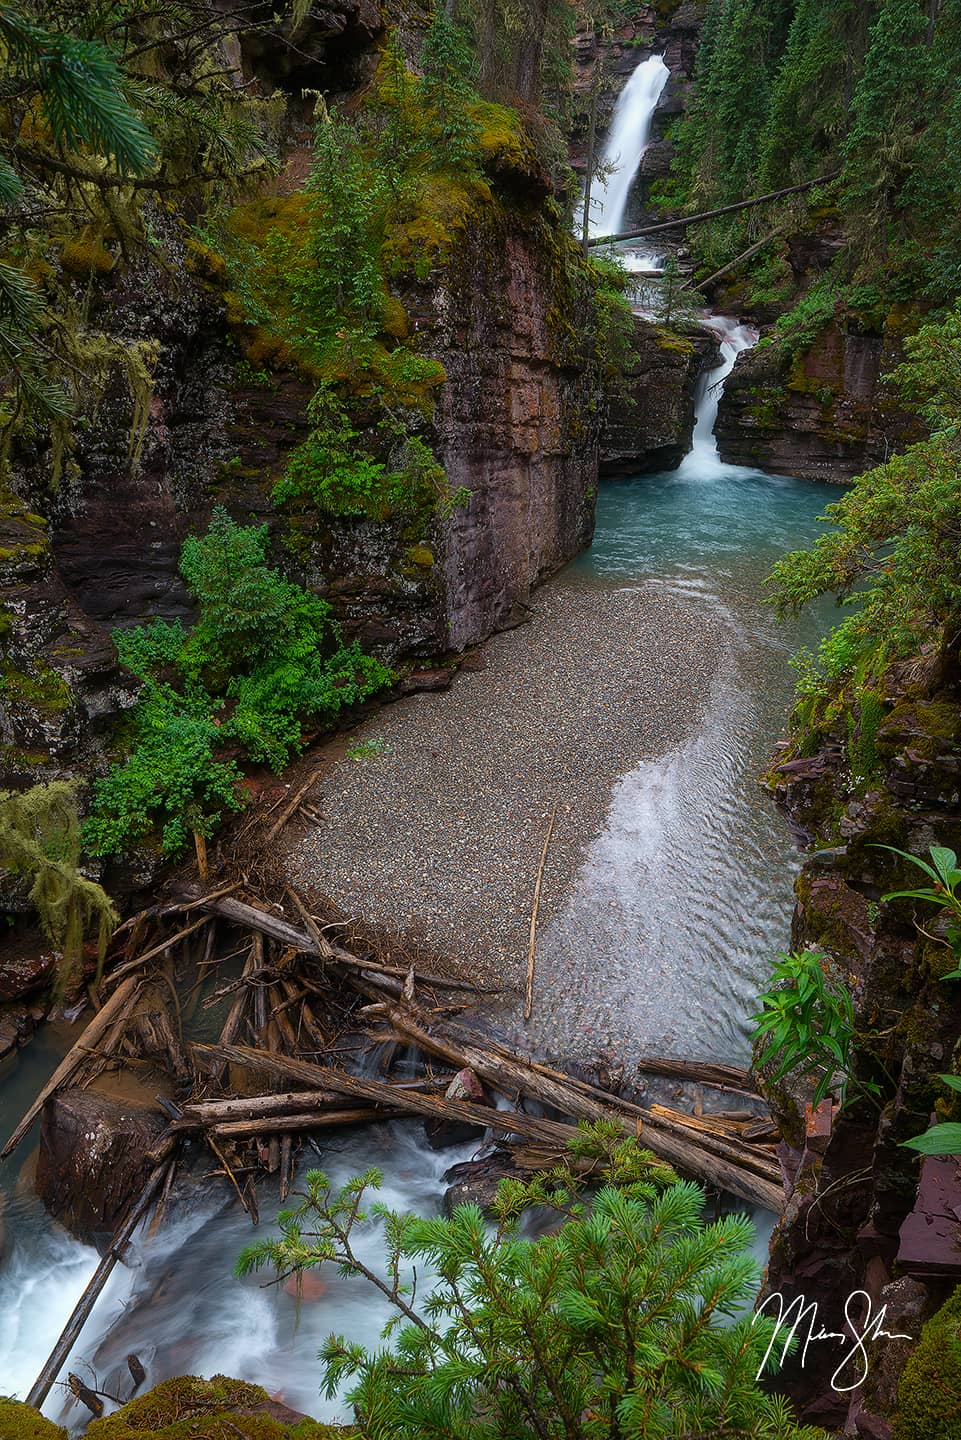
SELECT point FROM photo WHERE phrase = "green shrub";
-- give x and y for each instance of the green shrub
(264, 660)
(626, 1320)
(929, 1392)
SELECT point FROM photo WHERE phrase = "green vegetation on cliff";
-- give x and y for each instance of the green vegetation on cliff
(892, 555)
(789, 91)
(263, 661)
(929, 1389)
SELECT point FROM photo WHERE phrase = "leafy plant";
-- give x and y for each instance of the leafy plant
(944, 1138)
(627, 1319)
(264, 660)
(945, 892)
(804, 1021)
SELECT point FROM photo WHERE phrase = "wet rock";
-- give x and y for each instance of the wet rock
(419, 681)
(650, 427)
(92, 1161)
(826, 416)
(24, 971)
(475, 1182)
(443, 1133)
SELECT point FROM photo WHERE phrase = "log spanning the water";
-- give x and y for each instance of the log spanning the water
(685, 220)
(687, 1153)
(81, 1312)
(75, 1057)
(704, 1072)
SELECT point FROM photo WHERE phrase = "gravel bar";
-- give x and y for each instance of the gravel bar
(436, 831)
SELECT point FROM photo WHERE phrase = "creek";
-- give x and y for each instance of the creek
(678, 906)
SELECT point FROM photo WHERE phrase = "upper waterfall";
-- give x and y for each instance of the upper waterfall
(627, 140)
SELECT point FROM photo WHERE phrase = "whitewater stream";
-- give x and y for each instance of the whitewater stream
(680, 903)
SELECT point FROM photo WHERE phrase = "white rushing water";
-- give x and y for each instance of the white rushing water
(703, 458)
(627, 140)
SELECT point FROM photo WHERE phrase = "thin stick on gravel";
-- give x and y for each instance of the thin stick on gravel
(529, 998)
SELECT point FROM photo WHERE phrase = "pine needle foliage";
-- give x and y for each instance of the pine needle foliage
(627, 1319)
(40, 841)
(101, 115)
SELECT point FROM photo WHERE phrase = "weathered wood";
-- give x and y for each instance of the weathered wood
(286, 1164)
(529, 991)
(81, 1311)
(705, 1161)
(74, 1058)
(380, 1092)
(235, 1016)
(747, 254)
(303, 942)
(139, 961)
(684, 220)
(311, 1120)
(706, 1072)
(290, 807)
(686, 1154)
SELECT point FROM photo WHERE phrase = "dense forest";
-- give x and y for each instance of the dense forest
(346, 824)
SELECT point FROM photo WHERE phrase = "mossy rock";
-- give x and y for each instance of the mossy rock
(22, 1422)
(190, 1408)
(929, 1393)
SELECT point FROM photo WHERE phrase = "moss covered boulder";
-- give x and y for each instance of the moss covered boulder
(929, 1395)
(22, 1422)
(190, 1408)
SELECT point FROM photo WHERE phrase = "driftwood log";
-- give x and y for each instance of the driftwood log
(687, 1154)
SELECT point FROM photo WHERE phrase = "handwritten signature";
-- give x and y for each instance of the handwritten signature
(791, 1319)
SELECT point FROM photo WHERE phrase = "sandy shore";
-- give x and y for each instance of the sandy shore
(437, 832)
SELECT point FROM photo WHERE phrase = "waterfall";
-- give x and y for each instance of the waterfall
(627, 140)
(703, 458)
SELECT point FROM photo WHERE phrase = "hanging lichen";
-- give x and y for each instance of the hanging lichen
(40, 841)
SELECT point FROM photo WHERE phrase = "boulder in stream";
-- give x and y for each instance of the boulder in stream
(92, 1160)
(441, 1133)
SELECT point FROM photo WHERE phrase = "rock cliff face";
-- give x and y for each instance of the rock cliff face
(855, 1219)
(650, 424)
(827, 415)
(516, 424)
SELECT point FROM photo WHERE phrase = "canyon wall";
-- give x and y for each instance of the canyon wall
(856, 1219)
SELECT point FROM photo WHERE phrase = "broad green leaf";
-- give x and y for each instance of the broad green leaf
(939, 1140)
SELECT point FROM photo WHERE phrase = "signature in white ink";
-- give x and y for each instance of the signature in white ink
(791, 1319)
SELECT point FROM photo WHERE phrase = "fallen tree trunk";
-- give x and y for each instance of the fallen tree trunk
(383, 1093)
(71, 1331)
(684, 220)
(706, 1072)
(311, 1120)
(74, 1058)
(684, 1153)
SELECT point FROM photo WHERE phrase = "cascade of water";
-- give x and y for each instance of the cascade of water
(703, 457)
(627, 140)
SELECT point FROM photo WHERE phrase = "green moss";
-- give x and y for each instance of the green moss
(929, 1393)
(44, 690)
(22, 1422)
(85, 255)
(673, 343)
(189, 1408)
(420, 555)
